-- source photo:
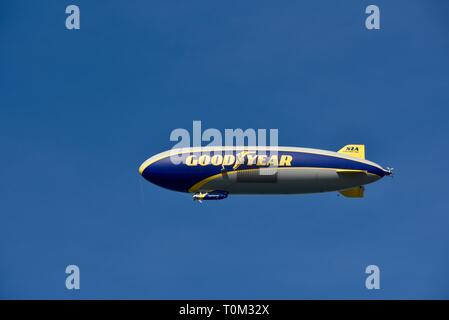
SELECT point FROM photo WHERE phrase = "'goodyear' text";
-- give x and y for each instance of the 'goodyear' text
(247, 158)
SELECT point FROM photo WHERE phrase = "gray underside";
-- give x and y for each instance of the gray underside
(301, 180)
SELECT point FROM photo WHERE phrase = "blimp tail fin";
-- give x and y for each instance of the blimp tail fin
(354, 150)
(357, 192)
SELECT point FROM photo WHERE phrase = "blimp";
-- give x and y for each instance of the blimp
(214, 173)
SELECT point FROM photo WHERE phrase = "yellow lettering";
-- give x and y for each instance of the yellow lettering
(273, 161)
(261, 160)
(217, 160)
(204, 160)
(190, 161)
(251, 159)
(286, 161)
(228, 159)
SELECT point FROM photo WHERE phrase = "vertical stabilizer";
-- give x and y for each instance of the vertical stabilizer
(354, 150)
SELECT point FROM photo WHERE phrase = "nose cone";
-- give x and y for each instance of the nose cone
(156, 172)
(149, 170)
(142, 169)
(145, 165)
(162, 172)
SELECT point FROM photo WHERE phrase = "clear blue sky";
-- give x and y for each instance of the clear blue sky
(80, 110)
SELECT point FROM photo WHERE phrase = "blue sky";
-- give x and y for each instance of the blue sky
(81, 110)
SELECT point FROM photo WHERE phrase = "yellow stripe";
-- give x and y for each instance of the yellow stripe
(201, 183)
(351, 171)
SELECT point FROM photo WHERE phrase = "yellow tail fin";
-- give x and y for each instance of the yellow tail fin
(357, 192)
(354, 150)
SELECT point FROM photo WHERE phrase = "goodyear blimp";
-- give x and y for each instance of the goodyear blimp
(213, 173)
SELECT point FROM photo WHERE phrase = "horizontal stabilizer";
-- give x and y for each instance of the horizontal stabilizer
(356, 192)
(354, 150)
